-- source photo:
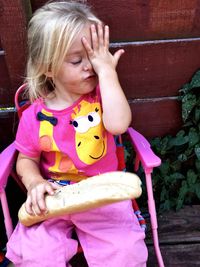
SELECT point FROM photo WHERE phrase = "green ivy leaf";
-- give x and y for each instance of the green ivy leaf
(164, 168)
(182, 157)
(188, 103)
(193, 136)
(195, 82)
(189, 151)
(176, 166)
(191, 177)
(178, 141)
(197, 165)
(177, 176)
(181, 196)
(164, 194)
(197, 152)
(197, 115)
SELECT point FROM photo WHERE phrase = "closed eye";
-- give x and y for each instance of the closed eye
(76, 62)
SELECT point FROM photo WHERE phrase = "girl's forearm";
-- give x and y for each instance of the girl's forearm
(116, 110)
(28, 170)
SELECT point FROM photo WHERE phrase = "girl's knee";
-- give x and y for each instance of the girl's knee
(133, 248)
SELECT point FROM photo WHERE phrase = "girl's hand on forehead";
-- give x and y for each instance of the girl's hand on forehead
(98, 52)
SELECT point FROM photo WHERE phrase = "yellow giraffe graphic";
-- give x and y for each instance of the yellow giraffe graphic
(90, 137)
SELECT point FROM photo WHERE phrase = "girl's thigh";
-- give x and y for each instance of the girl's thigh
(46, 244)
(111, 235)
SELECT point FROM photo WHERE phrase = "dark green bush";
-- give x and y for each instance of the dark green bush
(177, 181)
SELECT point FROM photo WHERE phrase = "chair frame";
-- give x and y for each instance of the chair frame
(144, 156)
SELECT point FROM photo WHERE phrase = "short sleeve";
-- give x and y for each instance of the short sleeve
(26, 137)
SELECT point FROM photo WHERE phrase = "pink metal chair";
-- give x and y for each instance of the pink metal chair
(144, 156)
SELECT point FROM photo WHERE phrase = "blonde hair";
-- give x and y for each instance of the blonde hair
(51, 32)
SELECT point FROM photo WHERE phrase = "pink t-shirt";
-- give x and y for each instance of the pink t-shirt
(71, 142)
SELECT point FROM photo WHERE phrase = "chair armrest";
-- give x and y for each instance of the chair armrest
(143, 149)
(7, 160)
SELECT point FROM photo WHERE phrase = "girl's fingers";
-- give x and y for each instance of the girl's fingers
(40, 200)
(55, 186)
(94, 37)
(99, 39)
(100, 35)
(118, 54)
(35, 202)
(87, 46)
(50, 188)
(36, 198)
(106, 36)
(47, 188)
(28, 205)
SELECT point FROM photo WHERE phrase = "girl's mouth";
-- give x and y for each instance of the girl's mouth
(91, 77)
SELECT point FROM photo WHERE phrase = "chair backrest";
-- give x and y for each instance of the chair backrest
(20, 103)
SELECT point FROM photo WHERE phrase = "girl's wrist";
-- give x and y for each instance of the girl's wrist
(34, 179)
(107, 72)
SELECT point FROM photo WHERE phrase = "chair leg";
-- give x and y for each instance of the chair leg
(6, 213)
(157, 249)
(153, 217)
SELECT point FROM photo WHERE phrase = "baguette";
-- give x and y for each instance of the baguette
(91, 193)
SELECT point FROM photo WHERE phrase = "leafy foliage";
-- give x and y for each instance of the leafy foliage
(177, 180)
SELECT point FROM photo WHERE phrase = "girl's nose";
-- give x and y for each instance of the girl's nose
(87, 65)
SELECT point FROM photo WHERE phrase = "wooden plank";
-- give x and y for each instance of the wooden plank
(156, 117)
(182, 255)
(179, 238)
(157, 68)
(4, 81)
(13, 38)
(180, 227)
(146, 20)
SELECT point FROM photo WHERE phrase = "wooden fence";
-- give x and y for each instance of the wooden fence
(162, 44)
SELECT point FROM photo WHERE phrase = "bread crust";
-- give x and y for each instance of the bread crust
(91, 193)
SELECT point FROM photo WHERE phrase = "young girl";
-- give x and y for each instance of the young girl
(67, 135)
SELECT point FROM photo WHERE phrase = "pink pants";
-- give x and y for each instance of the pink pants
(110, 236)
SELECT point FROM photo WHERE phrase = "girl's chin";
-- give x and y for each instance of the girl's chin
(91, 87)
(85, 92)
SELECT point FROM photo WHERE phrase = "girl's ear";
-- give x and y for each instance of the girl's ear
(49, 74)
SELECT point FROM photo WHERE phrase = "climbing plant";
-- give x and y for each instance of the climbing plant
(177, 181)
